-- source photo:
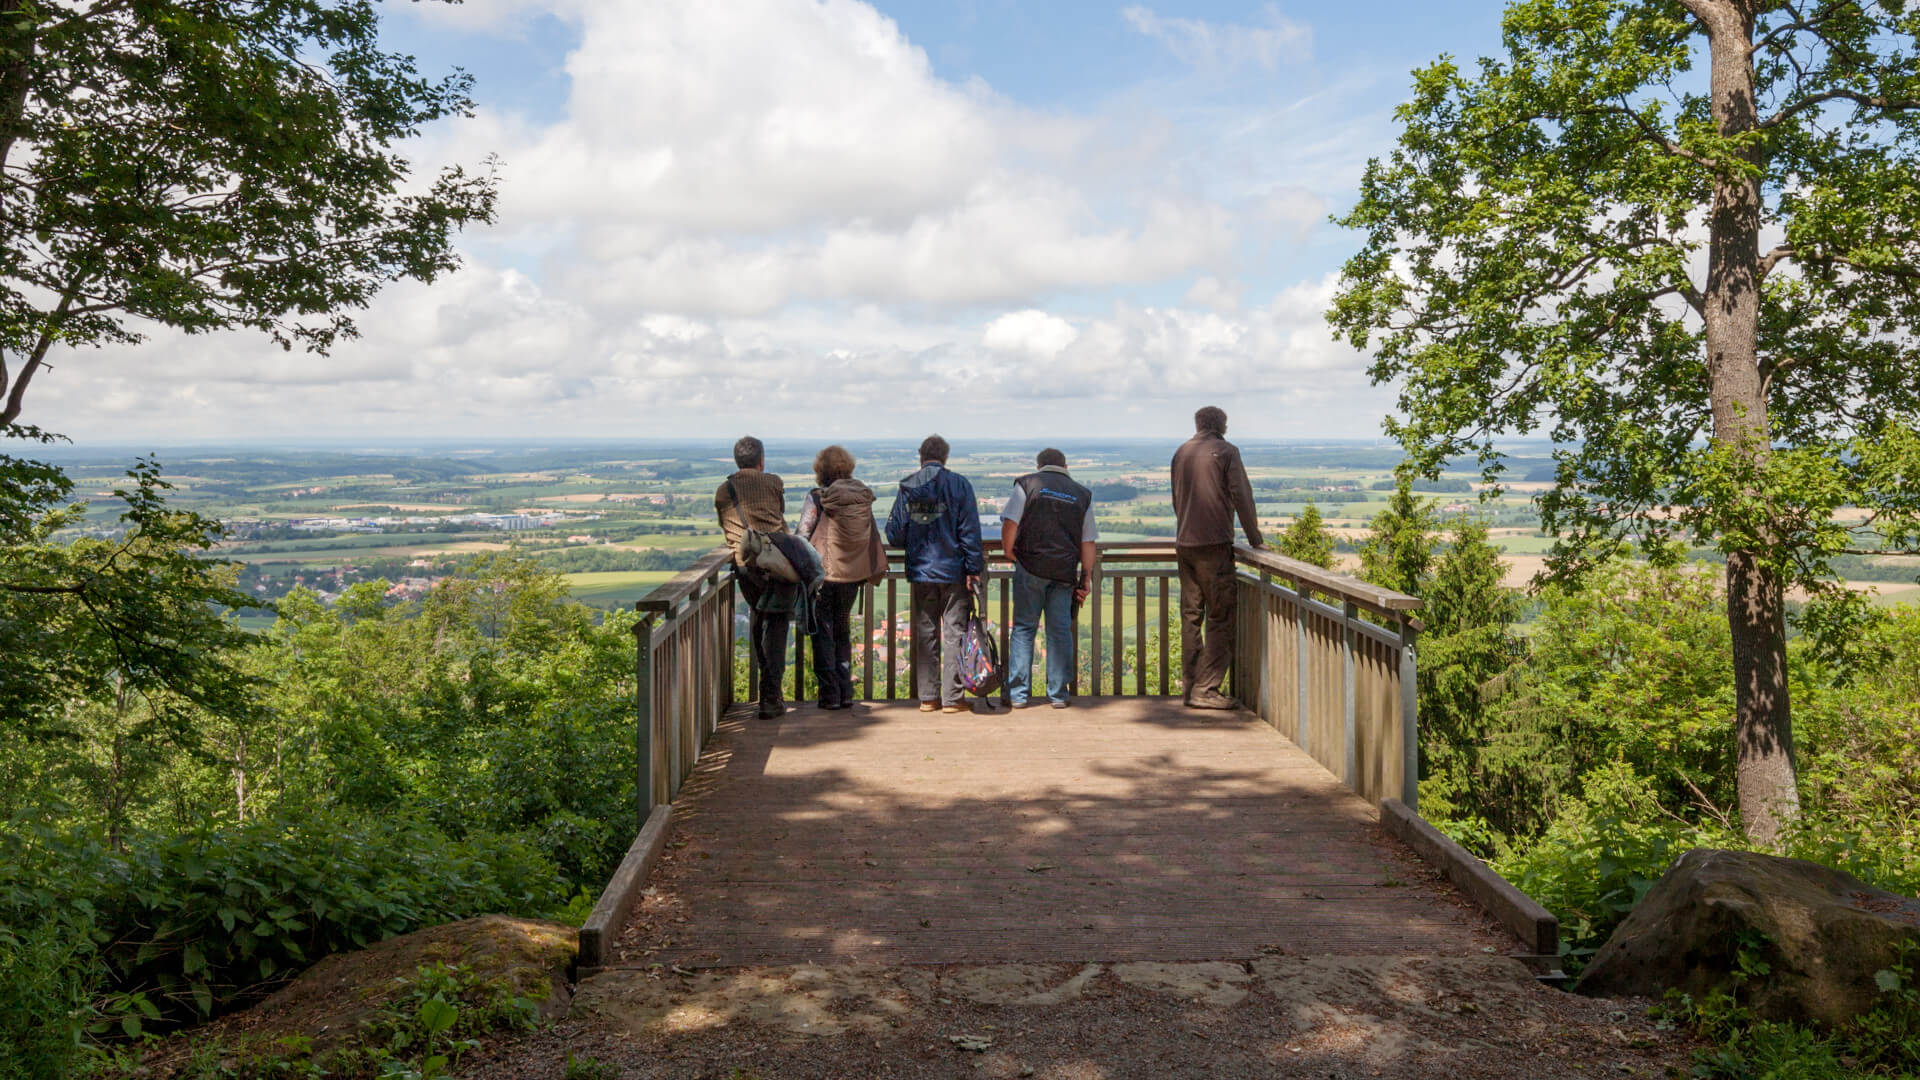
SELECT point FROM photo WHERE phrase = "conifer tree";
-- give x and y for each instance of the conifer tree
(1308, 539)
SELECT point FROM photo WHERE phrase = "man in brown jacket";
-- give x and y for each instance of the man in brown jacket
(1209, 488)
(753, 498)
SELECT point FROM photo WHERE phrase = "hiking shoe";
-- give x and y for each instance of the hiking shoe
(1211, 699)
(1061, 704)
(928, 706)
(770, 710)
(954, 709)
(1027, 704)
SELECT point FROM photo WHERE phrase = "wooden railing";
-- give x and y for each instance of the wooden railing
(884, 665)
(1326, 659)
(685, 673)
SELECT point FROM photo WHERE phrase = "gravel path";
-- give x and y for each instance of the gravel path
(1274, 1016)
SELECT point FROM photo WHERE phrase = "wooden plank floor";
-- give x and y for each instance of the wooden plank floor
(1119, 829)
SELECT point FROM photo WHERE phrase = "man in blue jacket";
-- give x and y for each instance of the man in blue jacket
(936, 518)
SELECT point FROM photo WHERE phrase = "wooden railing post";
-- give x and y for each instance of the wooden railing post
(643, 718)
(1302, 665)
(1351, 611)
(1409, 718)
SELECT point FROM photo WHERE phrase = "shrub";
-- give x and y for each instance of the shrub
(44, 1000)
(1600, 856)
(208, 920)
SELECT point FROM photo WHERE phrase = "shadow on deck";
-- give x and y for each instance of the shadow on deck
(1120, 829)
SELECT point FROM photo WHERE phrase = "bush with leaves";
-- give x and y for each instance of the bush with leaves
(206, 920)
(139, 615)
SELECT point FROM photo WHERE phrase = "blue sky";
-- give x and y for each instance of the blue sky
(837, 218)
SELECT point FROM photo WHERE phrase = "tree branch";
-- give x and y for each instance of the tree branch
(17, 394)
(1773, 258)
(44, 590)
(1651, 133)
(1867, 100)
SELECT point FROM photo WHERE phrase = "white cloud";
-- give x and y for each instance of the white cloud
(1213, 293)
(1032, 333)
(1217, 47)
(775, 211)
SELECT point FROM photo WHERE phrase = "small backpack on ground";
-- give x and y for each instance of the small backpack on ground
(979, 651)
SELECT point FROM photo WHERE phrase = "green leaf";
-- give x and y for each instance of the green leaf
(437, 1014)
(1887, 981)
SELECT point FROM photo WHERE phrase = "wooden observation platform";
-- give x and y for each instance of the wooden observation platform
(1126, 827)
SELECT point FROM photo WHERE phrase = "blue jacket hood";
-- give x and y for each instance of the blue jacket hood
(936, 518)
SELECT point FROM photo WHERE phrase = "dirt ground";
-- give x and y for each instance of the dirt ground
(1274, 1016)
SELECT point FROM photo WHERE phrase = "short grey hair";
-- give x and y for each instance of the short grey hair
(749, 452)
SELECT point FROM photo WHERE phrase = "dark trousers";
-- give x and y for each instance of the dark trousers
(833, 641)
(766, 640)
(939, 618)
(1206, 615)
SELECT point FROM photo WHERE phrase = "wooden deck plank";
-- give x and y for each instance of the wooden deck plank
(1120, 829)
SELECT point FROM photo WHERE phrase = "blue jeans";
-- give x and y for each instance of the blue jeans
(1033, 596)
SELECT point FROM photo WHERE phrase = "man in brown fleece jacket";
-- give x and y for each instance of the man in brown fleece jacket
(1209, 488)
(753, 498)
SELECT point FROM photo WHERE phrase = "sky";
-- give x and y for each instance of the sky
(841, 218)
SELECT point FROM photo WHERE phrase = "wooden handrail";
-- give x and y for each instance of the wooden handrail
(666, 596)
(1384, 601)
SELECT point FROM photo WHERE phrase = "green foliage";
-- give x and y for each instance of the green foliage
(1399, 549)
(208, 166)
(132, 623)
(1467, 645)
(1883, 1042)
(45, 1001)
(1860, 751)
(586, 1068)
(429, 1021)
(1308, 539)
(1632, 668)
(1599, 855)
(606, 559)
(494, 704)
(204, 920)
(1529, 259)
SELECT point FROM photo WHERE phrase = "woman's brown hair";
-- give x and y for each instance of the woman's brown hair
(832, 463)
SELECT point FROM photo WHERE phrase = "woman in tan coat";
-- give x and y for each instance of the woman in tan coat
(838, 521)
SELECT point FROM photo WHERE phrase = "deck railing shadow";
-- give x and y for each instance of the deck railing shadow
(1326, 659)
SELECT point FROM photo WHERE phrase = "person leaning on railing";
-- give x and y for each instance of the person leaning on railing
(937, 520)
(838, 521)
(1210, 487)
(1048, 531)
(753, 498)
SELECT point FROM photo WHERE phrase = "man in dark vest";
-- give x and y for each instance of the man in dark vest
(1210, 489)
(1049, 532)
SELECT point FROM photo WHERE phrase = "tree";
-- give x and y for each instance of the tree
(1465, 648)
(1398, 551)
(1308, 539)
(1705, 289)
(134, 622)
(209, 164)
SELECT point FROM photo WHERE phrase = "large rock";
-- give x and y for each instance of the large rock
(1823, 934)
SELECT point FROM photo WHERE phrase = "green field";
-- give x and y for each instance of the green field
(1892, 594)
(616, 589)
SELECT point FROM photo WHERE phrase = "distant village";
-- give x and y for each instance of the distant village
(504, 522)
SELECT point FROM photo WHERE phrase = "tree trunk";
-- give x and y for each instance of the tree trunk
(1763, 720)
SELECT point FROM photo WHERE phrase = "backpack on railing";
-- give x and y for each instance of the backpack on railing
(979, 651)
